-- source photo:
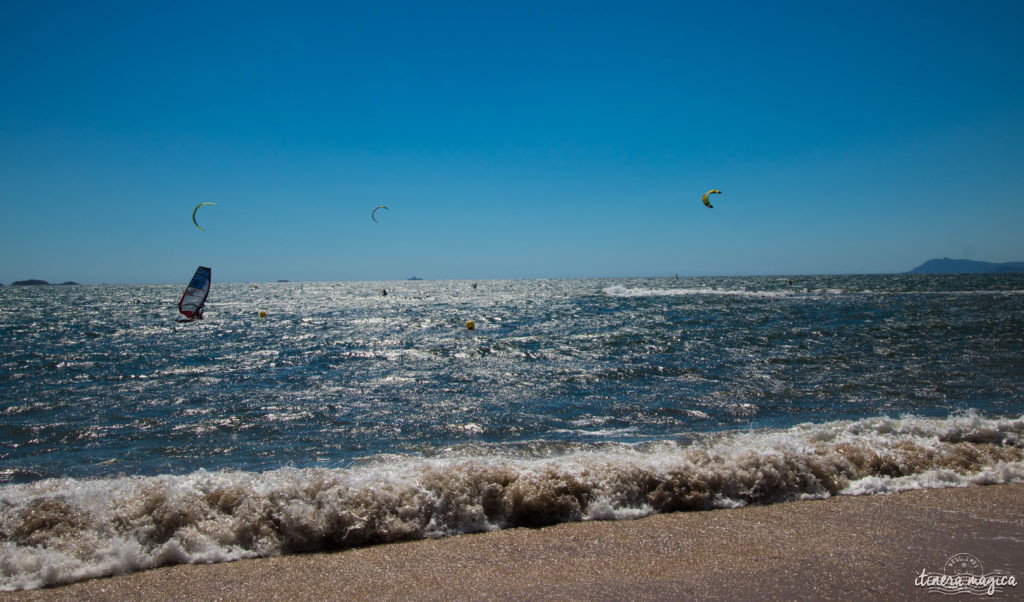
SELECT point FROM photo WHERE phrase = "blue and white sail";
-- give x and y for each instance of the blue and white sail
(192, 301)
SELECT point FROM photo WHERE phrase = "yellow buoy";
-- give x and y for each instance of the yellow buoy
(255, 286)
(470, 325)
(263, 314)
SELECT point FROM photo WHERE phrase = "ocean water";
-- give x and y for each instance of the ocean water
(344, 417)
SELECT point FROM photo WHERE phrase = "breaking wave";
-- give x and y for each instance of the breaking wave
(59, 531)
(622, 291)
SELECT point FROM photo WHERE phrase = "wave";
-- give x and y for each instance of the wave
(623, 291)
(59, 531)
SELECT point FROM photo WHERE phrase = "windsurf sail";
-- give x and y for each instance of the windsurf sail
(191, 304)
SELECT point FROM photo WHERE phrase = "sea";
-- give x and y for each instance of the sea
(307, 416)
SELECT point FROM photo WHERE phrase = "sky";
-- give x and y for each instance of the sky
(508, 140)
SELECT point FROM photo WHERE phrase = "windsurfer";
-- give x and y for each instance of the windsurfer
(194, 298)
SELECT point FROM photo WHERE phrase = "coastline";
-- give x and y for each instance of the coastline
(838, 548)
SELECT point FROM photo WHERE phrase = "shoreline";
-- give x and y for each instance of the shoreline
(838, 548)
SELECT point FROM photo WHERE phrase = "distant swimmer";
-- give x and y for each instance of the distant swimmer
(474, 285)
(384, 292)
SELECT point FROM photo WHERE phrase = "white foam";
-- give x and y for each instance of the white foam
(1003, 472)
(63, 530)
(622, 291)
(598, 433)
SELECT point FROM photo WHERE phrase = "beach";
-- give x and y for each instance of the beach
(843, 547)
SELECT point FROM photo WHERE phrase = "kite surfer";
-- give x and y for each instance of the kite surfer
(384, 292)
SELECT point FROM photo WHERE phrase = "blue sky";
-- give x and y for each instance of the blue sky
(536, 139)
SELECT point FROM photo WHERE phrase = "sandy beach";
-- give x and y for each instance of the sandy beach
(867, 547)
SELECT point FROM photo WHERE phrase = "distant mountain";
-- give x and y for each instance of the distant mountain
(41, 283)
(966, 266)
(29, 283)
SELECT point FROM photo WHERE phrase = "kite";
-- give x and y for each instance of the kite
(706, 201)
(375, 211)
(194, 215)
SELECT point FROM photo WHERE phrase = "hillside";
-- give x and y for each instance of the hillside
(966, 266)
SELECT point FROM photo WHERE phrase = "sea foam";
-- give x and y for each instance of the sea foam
(64, 530)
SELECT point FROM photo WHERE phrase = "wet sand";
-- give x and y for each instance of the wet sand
(869, 547)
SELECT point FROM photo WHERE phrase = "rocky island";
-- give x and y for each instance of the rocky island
(35, 282)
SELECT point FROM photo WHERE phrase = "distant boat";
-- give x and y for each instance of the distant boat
(415, 278)
(194, 297)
